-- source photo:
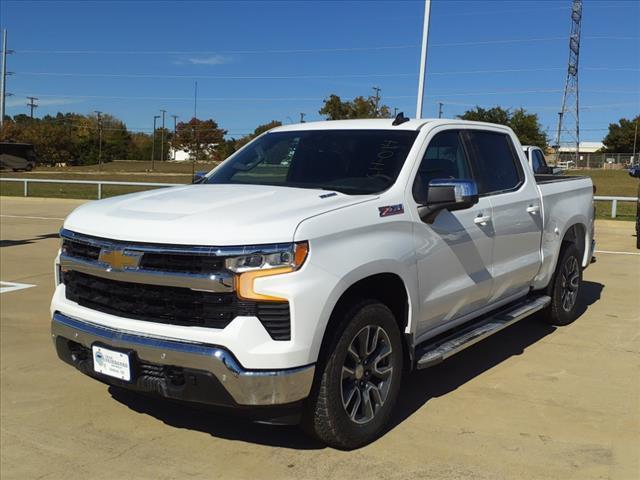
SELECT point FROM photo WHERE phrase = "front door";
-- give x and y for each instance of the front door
(454, 253)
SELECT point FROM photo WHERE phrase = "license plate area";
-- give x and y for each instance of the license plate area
(112, 363)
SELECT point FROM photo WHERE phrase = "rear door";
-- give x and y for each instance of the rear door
(516, 212)
(454, 252)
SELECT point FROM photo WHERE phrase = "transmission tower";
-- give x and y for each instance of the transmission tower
(568, 134)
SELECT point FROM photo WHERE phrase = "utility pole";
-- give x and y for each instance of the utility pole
(175, 132)
(99, 115)
(3, 76)
(440, 104)
(635, 141)
(162, 137)
(302, 115)
(32, 104)
(153, 144)
(569, 118)
(377, 98)
(423, 57)
(395, 112)
(195, 130)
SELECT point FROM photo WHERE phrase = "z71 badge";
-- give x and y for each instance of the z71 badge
(391, 210)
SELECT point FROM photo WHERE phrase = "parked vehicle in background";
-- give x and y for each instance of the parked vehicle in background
(635, 172)
(317, 264)
(535, 157)
(17, 156)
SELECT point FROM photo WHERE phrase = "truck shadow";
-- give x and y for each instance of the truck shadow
(419, 387)
(27, 241)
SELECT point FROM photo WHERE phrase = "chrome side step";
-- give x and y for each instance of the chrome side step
(435, 351)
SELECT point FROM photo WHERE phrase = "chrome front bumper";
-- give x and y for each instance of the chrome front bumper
(246, 387)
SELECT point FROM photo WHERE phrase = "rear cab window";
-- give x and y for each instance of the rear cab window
(496, 164)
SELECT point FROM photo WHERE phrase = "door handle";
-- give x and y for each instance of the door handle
(482, 219)
(533, 209)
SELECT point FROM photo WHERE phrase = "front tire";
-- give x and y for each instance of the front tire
(359, 380)
(565, 287)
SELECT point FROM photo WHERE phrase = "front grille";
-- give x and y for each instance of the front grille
(181, 263)
(80, 250)
(162, 262)
(173, 305)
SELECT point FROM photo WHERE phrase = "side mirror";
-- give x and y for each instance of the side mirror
(634, 172)
(198, 177)
(448, 194)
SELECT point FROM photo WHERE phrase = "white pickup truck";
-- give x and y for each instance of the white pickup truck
(535, 157)
(319, 263)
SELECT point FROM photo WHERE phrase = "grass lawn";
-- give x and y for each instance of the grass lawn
(607, 182)
(615, 183)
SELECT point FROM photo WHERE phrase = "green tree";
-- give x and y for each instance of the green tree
(334, 108)
(259, 130)
(199, 138)
(621, 136)
(70, 136)
(525, 125)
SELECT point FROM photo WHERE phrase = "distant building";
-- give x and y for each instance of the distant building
(585, 147)
(180, 155)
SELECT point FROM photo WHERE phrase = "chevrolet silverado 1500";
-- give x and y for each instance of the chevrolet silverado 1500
(319, 263)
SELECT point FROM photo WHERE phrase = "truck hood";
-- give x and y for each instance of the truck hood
(216, 215)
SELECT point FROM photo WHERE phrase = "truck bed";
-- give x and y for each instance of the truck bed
(566, 201)
(548, 178)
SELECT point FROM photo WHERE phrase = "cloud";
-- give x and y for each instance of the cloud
(211, 60)
(42, 102)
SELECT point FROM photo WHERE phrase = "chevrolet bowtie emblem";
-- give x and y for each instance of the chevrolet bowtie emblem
(120, 259)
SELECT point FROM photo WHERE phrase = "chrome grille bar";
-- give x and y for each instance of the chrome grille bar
(220, 281)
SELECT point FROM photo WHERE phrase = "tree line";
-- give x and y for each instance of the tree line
(86, 139)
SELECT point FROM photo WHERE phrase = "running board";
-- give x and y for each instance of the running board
(435, 351)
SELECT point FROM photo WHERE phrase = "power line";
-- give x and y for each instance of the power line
(217, 77)
(321, 49)
(314, 76)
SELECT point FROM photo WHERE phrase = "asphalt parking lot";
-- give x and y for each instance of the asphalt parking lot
(530, 402)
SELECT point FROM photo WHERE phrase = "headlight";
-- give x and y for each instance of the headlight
(273, 260)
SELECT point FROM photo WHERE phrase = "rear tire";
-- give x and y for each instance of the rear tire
(358, 382)
(565, 287)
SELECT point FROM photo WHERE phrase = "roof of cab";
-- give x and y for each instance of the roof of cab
(379, 124)
(360, 124)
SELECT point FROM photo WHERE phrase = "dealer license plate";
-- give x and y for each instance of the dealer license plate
(111, 363)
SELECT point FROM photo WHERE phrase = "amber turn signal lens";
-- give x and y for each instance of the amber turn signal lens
(244, 281)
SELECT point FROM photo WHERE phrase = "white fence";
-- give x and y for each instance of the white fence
(26, 181)
(99, 183)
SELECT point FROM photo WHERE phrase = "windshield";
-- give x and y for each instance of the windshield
(355, 162)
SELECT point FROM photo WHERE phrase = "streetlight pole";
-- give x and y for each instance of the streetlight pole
(99, 115)
(162, 137)
(3, 76)
(153, 143)
(423, 57)
(440, 104)
(175, 132)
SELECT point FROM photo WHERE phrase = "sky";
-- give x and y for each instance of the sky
(259, 61)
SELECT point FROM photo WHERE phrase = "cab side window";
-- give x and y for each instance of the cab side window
(539, 163)
(445, 158)
(498, 165)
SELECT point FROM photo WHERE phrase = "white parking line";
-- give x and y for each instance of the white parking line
(33, 218)
(12, 287)
(616, 253)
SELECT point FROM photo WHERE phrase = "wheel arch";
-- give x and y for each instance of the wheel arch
(387, 287)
